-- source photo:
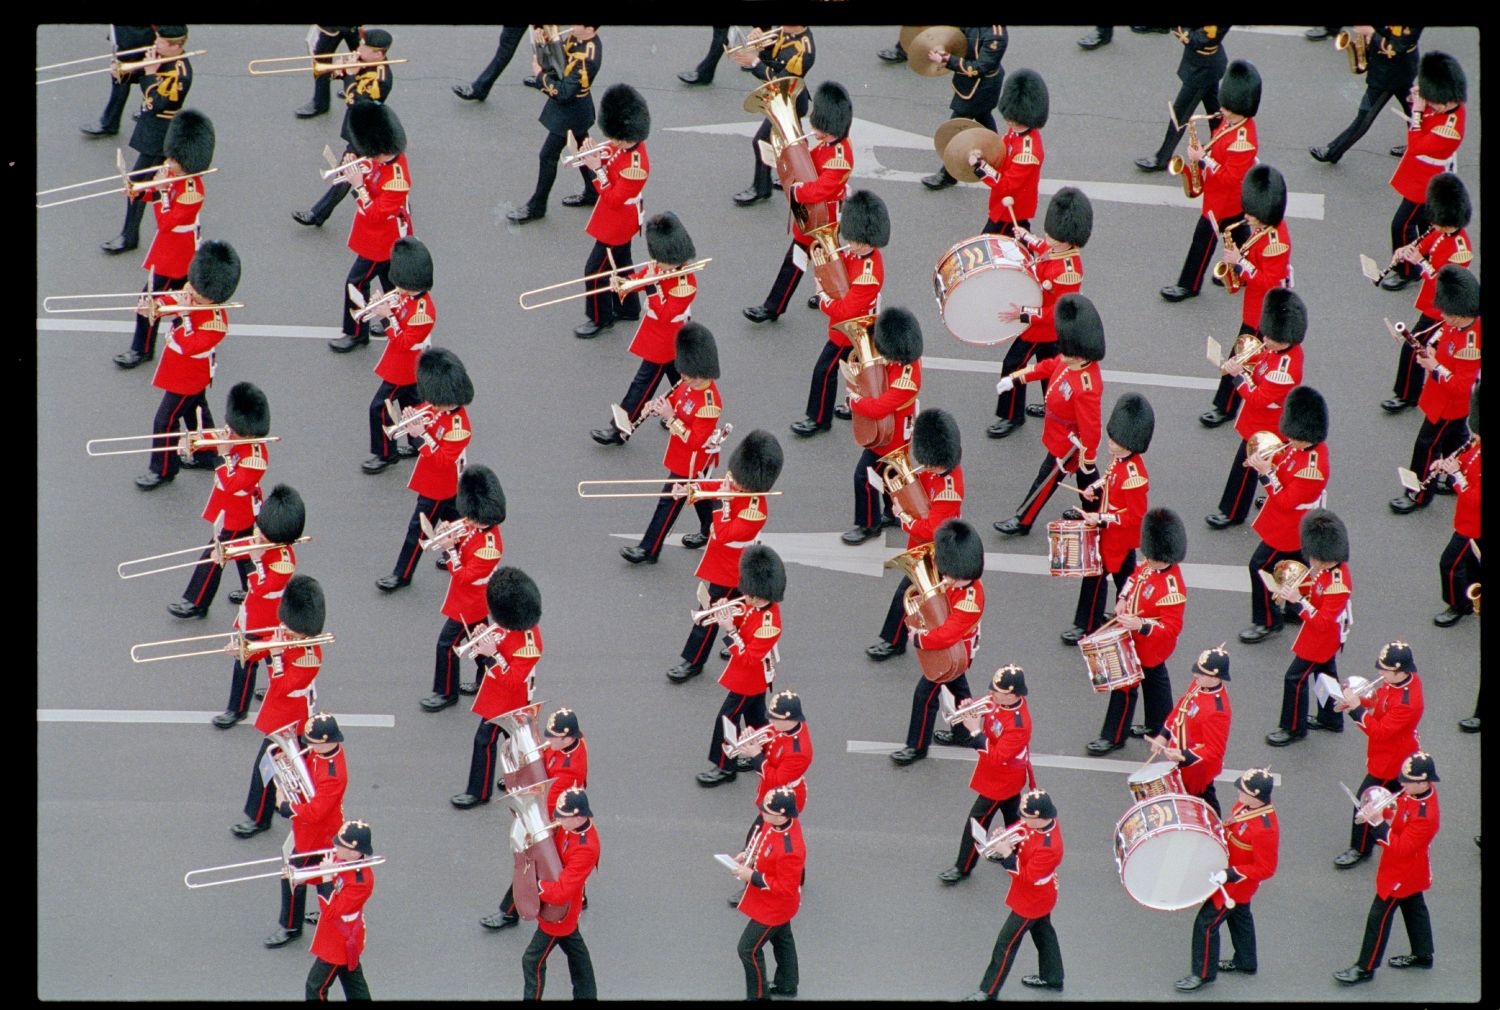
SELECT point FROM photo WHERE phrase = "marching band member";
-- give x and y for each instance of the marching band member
(510, 39)
(1032, 864)
(340, 938)
(1389, 717)
(789, 54)
(381, 216)
(703, 73)
(186, 368)
(480, 504)
(315, 823)
(668, 305)
(1296, 479)
(1406, 830)
(1264, 259)
(898, 339)
(1202, 65)
(1459, 569)
(1445, 241)
(122, 38)
(325, 42)
(1004, 768)
(578, 844)
(164, 89)
(1452, 356)
(569, 110)
(752, 635)
(1224, 160)
(408, 332)
(691, 409)
(959, 556)
(291, 694)
(937, 450)
(1074, 390)
(978, 78)
(1324, 598)
(1058, 266)
(444, 390)
(188, 149)
(1023, 106)
(865, 228)
(1197, 729)
(278, 525)
(1262, 383)
(753, 468)
(833, 156)
(1122, 493)
(1391, 62)
(1432, 140)
(1151, 606)
(364, 86)
(772, 875)
(1254, 833)
(782, 762)
(618, 177)
(236, 496)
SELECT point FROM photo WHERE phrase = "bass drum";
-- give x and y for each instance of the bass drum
(978, 278)
(1167, 848)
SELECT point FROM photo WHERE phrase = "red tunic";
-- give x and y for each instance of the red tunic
(899, 400)
(509, 681)
(1199, 724)
(316, 822)
(1254, 836)
(1072, 405)
(1156, 594)
(1466, 511)
(236, 495)
(479, 554)
(440, 459)
(176, 207)
(1430, 148)
(1033, 872)
(1439, 248)
(775, 890)
(1325, 616)
(381, 216)
(1004, 766)
(784, 763)
(946, 493)
(1017, 176)
(695, 414)
(736, 524)
(1299, 483)
(407, 334)
(622, 175)
(1263, 388)
(566, 769)
(274, 568)
(187, 362)
(1389, 718)
(835, 163)
(752, 651)
(866, 278)
(965, 611)
(1228, 155)
(580, 854)
(1266, 264)
(1060, 272)
(1122, 506)
(1404, 868)
(290, 693)
(1445, 395)
(341, 925)
(667, 306)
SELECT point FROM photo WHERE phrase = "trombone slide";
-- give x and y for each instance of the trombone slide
(563, 284)
(317, 63)
(116, 69)
(92, 59)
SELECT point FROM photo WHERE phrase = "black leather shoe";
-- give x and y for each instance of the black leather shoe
(1348, 858)
(249, 829)
(939, 180)
(464, 801)
(1469, 725)
(237, 596)
(309, 110)
(949, 738)
(859, 534)
(467, 93)
(580, 199)
(97, 130)
(906, 755)
(1321, 154)
(500, 921)
(1281, 738)
(588, 329)
(305, 217)
(437, 702)
(716, 777)
(1398, 151)
(224, 720)
(1191, 983)
(1257, 633)
(1449, 617)
(888, 521)
(895, 54)
(468, 687)
(378, 464)
(1394, 282)
(1093, 40)
(530, 81)
(1177, 293)
(725, 653)
(1102, 746)
(1213, 418)
(883, 650)
(1004, 427)
(523, 214)
(776, 990)
(759, 314)
(1220, 521)
(282, 936)
(1354, 975)
(407, 451)
(693, 541)
(1072, 635)
(750, 197)
(842, 411)
(1410, 961)
(635, 555)
(1012, 527)
(1405, 504)
(343, 345)
(951, 875)
(129, 359)
(186, 610)
(151, 480)
(1036, 410)
(1233, 967)
(607, 436)
(1319, 724)
(1316, 34)
(693, 77)
(391, 583)
(1395, 405)
(1150, 164)
(684, 671)
(807, 427)
(377, 328)
(1037, 982)
(118, 244)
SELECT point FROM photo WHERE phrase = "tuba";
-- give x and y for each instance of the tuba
(864, 374)
(1354, 45)
(788, 151)
(536, 855)
(926, 605)
(521, 753)
(827, 263)
(900, 477)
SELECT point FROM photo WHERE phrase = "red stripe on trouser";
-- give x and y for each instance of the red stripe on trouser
(417, 553)
(1208, 932)
(333, 971)
(1208, 254)
(489, 764)
(266, 789)
(171, 426)
(1301, 694)
(823, 395)
(1454, 594)
(671, 519)
(1406, 369)
(1432, 448)
(926, 720)
(541, 965)
(974, 852)
(1118, 734)
(249, 678)
(1381, 933)
(1093, 602)
(1010, 951)
(760, 982)
(1043, 493)
(448, 661)
(635, 408)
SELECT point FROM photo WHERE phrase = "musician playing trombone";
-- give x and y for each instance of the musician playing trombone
(1389, 715)
(1002, 731)
(164, 88)
(315, 820)
(340, 939)
(364, 85)
(325, 41)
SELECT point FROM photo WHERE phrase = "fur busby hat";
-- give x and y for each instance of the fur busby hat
(935, 440)
(215, 271)
(1474, 412)
(1324, 537)
(1457, 292)
(832, 112)
(1037, 803)
(959, 551)
(190, 141)
(411, 265)
(375, 129)
(1132, 422)
(1213, 663)
(1305, 417)
(1023, 99)
(1263, 195)
(1239, 91)
(756, 462)
(1419, 768)
(1448, 203)
(1080, 331)
(356, 835)
(898, 336)
(1163, 537)
(1441, 79)
(1257, 782)
(302, 607)
(668, 241)
(247, 411)
(1009, 678)
(442, 378)
(322, 728)
(514, 600)
(697, 353)
(480, 496)
(785, 705)
(1283, 317)
(1396, 656)
(282, 515)
(865, 219)
(762, 574)
(376, 38)
(574, 802)
(781, 801)
(623, 115)
(1070, 216)
(563, 722)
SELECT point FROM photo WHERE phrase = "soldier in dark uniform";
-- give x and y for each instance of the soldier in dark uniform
(165, 88)
(325, 44)
(703, 73)
(569, 109)
(510, 38)
(1391, 54)
(790, 54)
(977, 77)
(1203, 64)
(371, 86)
(123, 38)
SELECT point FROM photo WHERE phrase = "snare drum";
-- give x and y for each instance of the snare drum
(1166, 848)
(1160, 778)
(976, 279)
(1073, 549)
(1111, 659)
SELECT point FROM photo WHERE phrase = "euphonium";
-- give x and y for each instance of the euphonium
(827, 263)
(1354, 44)
(865, 374)
(293, 780)
(926, 606)
(900, 477)
(536, 856)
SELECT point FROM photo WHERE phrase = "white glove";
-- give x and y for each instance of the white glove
(1005, 385)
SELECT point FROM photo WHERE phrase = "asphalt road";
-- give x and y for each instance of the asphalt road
(125, 809)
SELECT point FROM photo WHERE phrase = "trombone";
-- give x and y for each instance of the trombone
(751, 41)
(152, 310)
(297, 875)
(115, 68)
(221, 552)
(92, 59)
(122, 183)
(621, 286)
(691, 492)
(318, 64)
(187, 442)
(236, 643)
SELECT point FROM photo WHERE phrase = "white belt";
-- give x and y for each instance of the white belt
(1049, 878)
(305, 692)
(351, 916)
(183, 229)
(1429, 160)
(684, 317)
(737, 544)
(792, 784)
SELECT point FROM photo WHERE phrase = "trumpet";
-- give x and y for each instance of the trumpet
(730, 608)
(188, 442)
(297, 875)
(444, 535)
(1376, 799)
(220, 552)
(122, 183)
(236, 643)
(953, 714)
(116, 69)
(407, 421)
(751, 41)
(1284, 577)
(379, 306)
(1355, 45)
(989, 844)
(741, 746)
(319, 64)
(1359, 688)
(345, 171)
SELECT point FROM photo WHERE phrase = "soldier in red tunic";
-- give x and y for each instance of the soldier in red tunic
(1405, 830)
(1323, 597)
(578, 844)
(408, 332)
(1003, 734)
(619, 175)
(189, 147)
(782, 762)
(1432, 140)
(898, 339)
(1389, 717)
(1459, 568)
(1017, 176)
(1197, 729)
(1262, 250)
(471, 561)
(772, 873)
(316, 822)
(340, 939)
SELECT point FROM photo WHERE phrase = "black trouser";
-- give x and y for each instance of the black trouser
(510, 38)
(924, 706)
(1265, 609)
(1410, 378)
(135, 208)
(436, 512)
(325, 45)
(1239, 487)
(144, 341)
(747, 711)
(983, 811)
(753, 956)
(700, 640)
(546, 174)
(405, 396)
(643, 384)
(1157, 687)
(1407, 225)
(985, 118)
(580, 965)
(1458, 569)
(320, 979)
(204, 585)
(787, 279)
(1294, 689)
(1011, 404)
(667, 509)
(294, 899)
(894, 630)
(710, 63)
(1205, 963)
(114, 109)
(1201, 250)
(993, 227)
(1106, 33)
(179, 410)
(1200, 87)
(362, 275)
(826, 382)
(1370, 104)
(1048, 954)
(333, 195)
(1378, 928)
(1089, 613)
(1361, 835)
(242, 686)
(260, 804)
(445, 666)
(482, 765)
(1435, 439)
(1047, 476)
(869, 505)
(1227, 397)
(604, 306)
(1210, 795)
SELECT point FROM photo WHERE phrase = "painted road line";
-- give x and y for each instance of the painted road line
(1077, 764)
(1110, 375)
(164, 718)
(240, 329)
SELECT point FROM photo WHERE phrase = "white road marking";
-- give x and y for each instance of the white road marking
(164, 718)
(1079, 764)
(1110, 375)
(237, 328)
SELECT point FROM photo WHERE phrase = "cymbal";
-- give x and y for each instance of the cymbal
(956, 154)
(950, 129)
(909, 34)
(944, 37)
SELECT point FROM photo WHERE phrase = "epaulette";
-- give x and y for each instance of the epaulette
(752, 510)
(1282, 375)
(284, 565)
(1241, 141)
(683, 288)
(867, 276)
(1336, 584)
(191, 193)
(256, 460)
(1026, 157)
(216, 322)
(1470, 350)
(420, 316)
(456, 433)
(840, 161)
(1310, 471)
(1135, 479)
(633, 171)
(1071, 274)
(904, 380)
(1449, 129)
(489, 552)
(308, 658)
(397, 183)
(1274, 245)
(529, 650)
(1462, 253)
(709, 408)
(949, 492)
(967, 604)
(1174, 597)
(768, 628)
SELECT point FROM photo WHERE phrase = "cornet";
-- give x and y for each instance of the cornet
(444, 535)
(407, 421)
(235, 643)
(751, 41)
(741, 746)
(730, 608)
(220, 552)
(378, 307)
(1376, 799)
(1267, 444)
(346, 171)
(482, 640)
(581, 155)
(989, 844)
(971, 709)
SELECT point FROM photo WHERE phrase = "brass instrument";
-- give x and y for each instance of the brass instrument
(900, 478)
(742, 746)
(788, 151)
(741, 41)
(57, 305)
(1231, 277)
(220, 552)
(953, 714)
(294, 782)
(1359, 688)
(1355, 45)
(319, 64)
(116, 69)
(1375, 800)
(580, 155)
(521, 753)
(1246, 346)
(1191, 170)
(122, 183)
(408, 420)
(380, 306)
(827, 261)
(945, 37)
(1284, 578)
(625, 285)
(1417, 340)
(296, 875)
(1473, 594)
(236, 643)
(549, 55)
(864, 373)
(733, 607)
(693, 493)
(481, 640)
(989, 844)
(112, 57)
(621, 286)
(341, 171)
(536, 855)
(926, 605)
(187, 442)
(444, 535)
(1267, 444)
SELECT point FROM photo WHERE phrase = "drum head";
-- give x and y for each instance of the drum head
(975, 280)
(1152, 772)
(1170, 871)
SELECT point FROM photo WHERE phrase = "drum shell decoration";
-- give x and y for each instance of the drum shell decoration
(1160, 778)
(1110, 658)
(1073, 549)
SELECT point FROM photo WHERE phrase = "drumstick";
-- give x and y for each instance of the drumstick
(1218, 877)
(1009, 203)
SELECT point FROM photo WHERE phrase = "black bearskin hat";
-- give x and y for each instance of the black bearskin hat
(697, 353)
(1023, 99)
(762, 574)
(1457, 292)
(959, 551)
(623, 115)
(1448, 201)
(247, 412)
(1239, 91)
(1305, 417)
(190, 141)
(865, 219)
(1163, 537)
(302, 606)
(1283, 317)
(668, 241)
(1080, 331)
(282, 515)
(935, 440)
(1324, 537)
(898, 336)
(442, 378)
(832, 112)
(480, 496)
(1070, 216)
(1440, 79)
(756, 461)
(215, 271)
(1132, 422)
(375, 129)
(411, 265)
(514, 600)
(1263, 195)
